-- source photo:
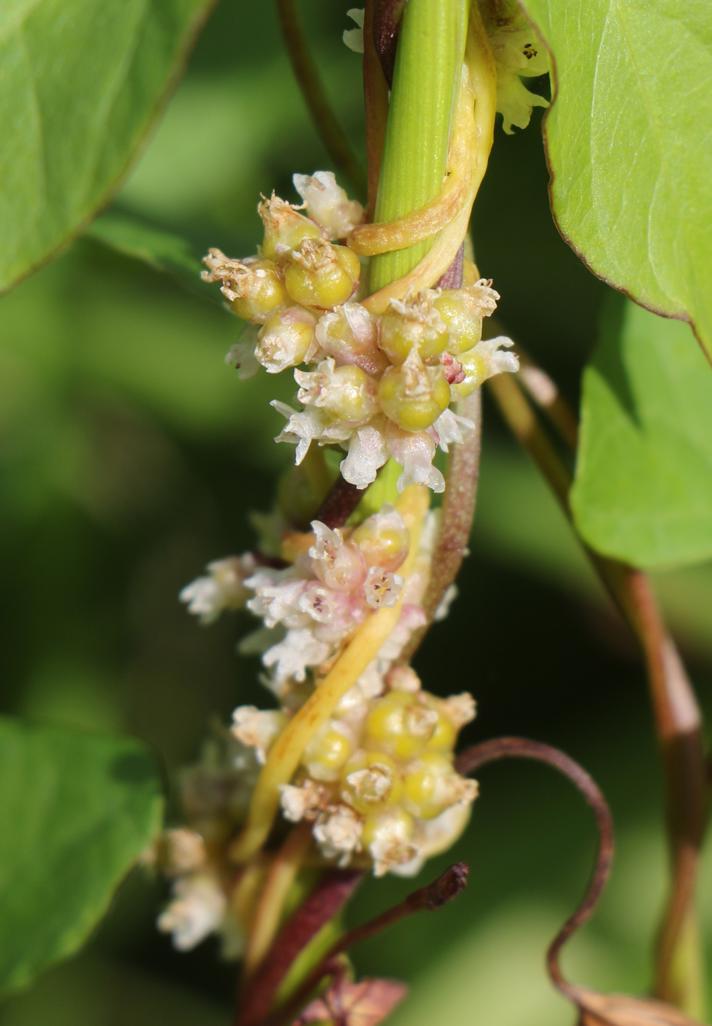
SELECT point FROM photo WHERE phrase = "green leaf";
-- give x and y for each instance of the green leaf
(629, 145)
(643, 486)
(82, 82)
(76, 810)
(160, 249)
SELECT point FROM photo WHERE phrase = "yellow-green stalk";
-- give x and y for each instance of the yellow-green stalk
(426, 79)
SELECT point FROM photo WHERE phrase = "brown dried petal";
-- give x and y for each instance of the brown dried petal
(620, 1010)
(365, 1003)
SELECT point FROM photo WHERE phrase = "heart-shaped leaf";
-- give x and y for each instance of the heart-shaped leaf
(629, 147)
(76, 810)
(643, 487)
(82, 82)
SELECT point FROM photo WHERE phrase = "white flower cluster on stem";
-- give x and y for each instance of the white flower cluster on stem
(375, 782)
(378, 387)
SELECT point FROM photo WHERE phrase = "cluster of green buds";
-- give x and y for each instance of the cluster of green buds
(377, 781)
(379, 386)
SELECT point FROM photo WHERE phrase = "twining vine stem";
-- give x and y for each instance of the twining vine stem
(480, 755)
(678, 720)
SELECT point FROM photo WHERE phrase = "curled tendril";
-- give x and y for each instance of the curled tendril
(522, 748)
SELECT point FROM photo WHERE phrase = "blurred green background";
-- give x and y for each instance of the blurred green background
(130, 456)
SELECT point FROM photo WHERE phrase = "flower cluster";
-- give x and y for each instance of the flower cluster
(311, 603)
(214, 796)
(377, 782)
(379, 387)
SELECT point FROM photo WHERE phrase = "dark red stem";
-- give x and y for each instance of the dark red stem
(325, 901)
(447, 886)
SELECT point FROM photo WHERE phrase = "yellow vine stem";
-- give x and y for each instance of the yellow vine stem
(383, 237)
(479, 87)
(286, 752)
(270, 904)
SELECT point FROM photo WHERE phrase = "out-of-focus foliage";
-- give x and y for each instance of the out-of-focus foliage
(643, 490)
(130, 456)
(77, 811)
(156, 247)
(630, 156)
(78, 79)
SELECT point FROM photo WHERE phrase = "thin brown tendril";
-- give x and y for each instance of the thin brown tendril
(307, 76)
(522, 748)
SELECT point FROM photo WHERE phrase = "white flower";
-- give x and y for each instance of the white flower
(305, 426)
(349, 333)
(276, 596)
(346, 394)
(241, 355)
(415, 451)
(208, 597)
(495, 357)
(196, 910)
(301, 802)
(382, 588)
(367, 453)
(257, 728)
(286, 340)
(337, 563)
(450, 428)
(295, 654)
(338, 833)
(353, 38)
(392, 845)
(460, 708)
(327, 203)
(404, 678)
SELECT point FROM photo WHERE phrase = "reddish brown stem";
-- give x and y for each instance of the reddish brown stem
(429, 898)
(479, 755)
(375, 92)
(340, 502)
(678, 720)
(307, 76)
(679, 728)
(385, 29)
(327, 899)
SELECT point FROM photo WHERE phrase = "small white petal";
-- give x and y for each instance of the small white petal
(196, 910)
(326, 202)
(241, 356)
(367, 454)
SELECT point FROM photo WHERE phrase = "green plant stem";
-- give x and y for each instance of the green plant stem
(426, 78)
(307, 76)
(677, 716)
